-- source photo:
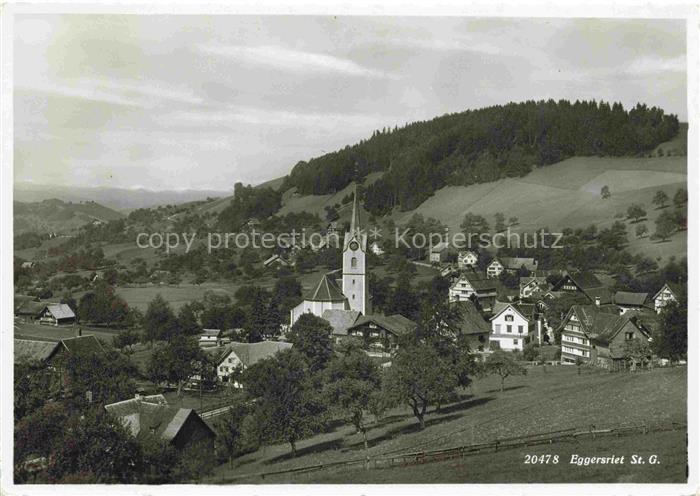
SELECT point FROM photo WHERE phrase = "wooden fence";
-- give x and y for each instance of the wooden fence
(419, 457)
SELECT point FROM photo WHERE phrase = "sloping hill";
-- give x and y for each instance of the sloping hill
(567, 194)
(58, 216)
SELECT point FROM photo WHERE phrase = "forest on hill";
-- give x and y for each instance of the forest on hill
(477, 146)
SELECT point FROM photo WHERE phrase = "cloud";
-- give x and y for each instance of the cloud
(656, 65)
(135, 93)
(289, 60)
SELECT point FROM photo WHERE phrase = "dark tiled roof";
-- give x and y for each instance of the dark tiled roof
(326, 290)
(598, 323)
(31, 308)
(341, 320)
(82, 344)
(396, 324)
(514, 263)
(33, 351)
(586, 280)
(471, 320)
(605, 295)
(631, 299)
(524, 309)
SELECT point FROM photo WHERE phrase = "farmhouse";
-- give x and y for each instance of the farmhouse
(509, 326)
(29, 311)
(57, 314)
(494, 269)
(352, 292)
(669, 292)
(210, 337)
(151, 416)
(468, 285)
(630, 301)
(380, 333)
(530, 286)
(473, 326)
(467, 259)
(341, 321)
(596, 336)
(34, 352)
(586, 284)
(439, 252)
(238, 356)
(514, 264)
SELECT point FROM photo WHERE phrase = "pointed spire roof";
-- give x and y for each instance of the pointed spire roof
(355, 220)
(326, 290)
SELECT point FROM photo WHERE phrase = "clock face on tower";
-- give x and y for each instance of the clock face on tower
(354, 246)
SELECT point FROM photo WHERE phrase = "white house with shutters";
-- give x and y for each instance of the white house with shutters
(466, 259)
(494, 269)
(668, 292)
(509, 327)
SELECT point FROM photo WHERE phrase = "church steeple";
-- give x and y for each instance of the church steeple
(355, 219)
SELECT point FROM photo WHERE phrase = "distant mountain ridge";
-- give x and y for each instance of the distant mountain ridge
(120, 199)
(56, 216)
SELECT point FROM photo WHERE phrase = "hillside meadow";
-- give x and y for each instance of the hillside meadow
(544, 400)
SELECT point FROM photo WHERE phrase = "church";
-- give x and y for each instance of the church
(348, 292)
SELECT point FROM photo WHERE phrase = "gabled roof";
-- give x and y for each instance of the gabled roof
(674, 287)
(603, 293)
(514, 263)
(477, 282)
(471, 321)
(210, 332)
(524, 281)
(82, 344)
(495, 260)
(631, 299)
(599, 324)
(397, 324)
(31, 308)
(522, 310)
(584, 280)
(251, 353)
(61, 311)
(341, 320)
(152, 415)
(33, 351)
(326, 290)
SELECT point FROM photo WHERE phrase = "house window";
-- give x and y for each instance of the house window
(509, 328)
(353, 281)
(498, 327)
(629, 336)
(509, 318)
(520, 329)
(515, 341)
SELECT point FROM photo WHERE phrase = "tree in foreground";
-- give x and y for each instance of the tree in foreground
(287, 406)
(176, 362)
(504, 365)
(671, 339)
(680, 198)
(352, 379)
(419, 377)
(311, 337)
(159, 322)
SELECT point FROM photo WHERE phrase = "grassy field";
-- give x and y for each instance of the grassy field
(544, 400)
(509, 467)
(567, 194)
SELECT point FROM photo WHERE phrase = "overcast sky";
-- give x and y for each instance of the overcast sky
(193, 102)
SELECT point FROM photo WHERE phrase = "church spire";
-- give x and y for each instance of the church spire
(355, 220)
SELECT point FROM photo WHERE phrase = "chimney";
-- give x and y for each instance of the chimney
(137, 396)
(597, 301)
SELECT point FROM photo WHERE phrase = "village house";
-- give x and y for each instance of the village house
(586, 284)
(514, 264)
(380, 333)
(597, 336)
(341, 321)
(376, 248)
(630, 301)
(473, 326)
(210, 337)
(152, 416)
(275, 260)
(467, 259)
(28, 310)
(468, 285)
(510, 326)
(439, 252)
(531, 286)
(56, 314)
(494, 269)
(34, 352)
(669, 292)
(239, 356)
